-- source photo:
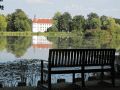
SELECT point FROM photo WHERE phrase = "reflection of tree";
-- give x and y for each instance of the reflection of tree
(54, 40)
(86, 42)
(76, 42)
(18, 45)
(66, 42)
(3, 43)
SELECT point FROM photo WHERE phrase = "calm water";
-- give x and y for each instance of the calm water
(20, 56)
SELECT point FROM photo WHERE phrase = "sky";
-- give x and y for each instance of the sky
(47, 8)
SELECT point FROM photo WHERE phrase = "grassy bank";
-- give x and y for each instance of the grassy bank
(52, 34)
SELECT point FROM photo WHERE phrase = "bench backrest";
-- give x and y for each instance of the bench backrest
(79, 57)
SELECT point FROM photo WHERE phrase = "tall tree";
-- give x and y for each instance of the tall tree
(64, 22)
(60, 23)
(93, 21)
(55, 20)
(78, 22)
(18, 21)
(104, 22)
(92, 15)
(3, 23)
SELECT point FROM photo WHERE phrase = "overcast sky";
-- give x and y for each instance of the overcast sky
(47, 8)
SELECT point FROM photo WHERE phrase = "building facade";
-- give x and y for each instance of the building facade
(41, 25)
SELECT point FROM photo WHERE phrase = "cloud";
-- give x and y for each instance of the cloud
(38, 1)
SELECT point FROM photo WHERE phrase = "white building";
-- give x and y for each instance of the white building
(41, 25)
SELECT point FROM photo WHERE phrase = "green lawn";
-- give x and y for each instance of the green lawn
(38, 34)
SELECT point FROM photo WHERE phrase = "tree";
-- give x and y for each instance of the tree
(64, 21)
(92, 15)
(18, 21)
(55, 19)
(111, 23)
(60, 23)
(108, 23)
(117, 20)
(104, 22)
(93, 21)
(3, 23)
(67, 20)
(78, 22)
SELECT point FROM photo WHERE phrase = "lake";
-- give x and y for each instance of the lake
(20, 56)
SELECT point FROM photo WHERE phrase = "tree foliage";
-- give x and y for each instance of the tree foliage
(3, 23)
(18, 21)
(78, 22)
(62, 21)
(110, 24)
(104, 22)
(56, 18)
(117, 20)
(93, 21)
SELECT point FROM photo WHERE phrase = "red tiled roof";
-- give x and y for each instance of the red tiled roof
(48, 21)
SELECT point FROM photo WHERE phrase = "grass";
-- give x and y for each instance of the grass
(52, 34)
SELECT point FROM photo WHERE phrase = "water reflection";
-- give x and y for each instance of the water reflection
(81, 42)
(3, 43)
(41, 42)
(18, 45)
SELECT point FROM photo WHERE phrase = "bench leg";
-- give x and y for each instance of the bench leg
(73, 78)
(83, 80)
(113, 77)
(102, 73)
(41, 77)
(41, 72)
(49, 81)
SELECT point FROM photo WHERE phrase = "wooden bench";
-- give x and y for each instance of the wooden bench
(65, 61)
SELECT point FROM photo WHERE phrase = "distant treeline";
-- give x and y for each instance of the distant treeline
(18, 21)
(66, 23)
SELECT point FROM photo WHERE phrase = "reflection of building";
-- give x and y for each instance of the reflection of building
(41, 25)
(41, 42)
